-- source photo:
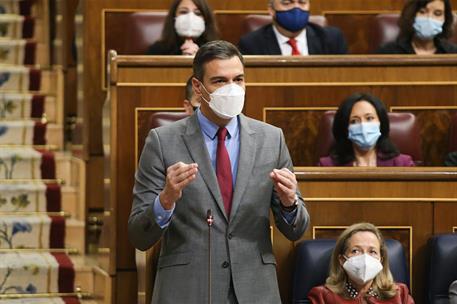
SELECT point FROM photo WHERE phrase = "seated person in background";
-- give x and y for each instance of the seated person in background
(292, 34)
(359, 271)
(425, 26)
(451, 161)
(189, 24)
(361, 132)
(453, 293)
(191, 102)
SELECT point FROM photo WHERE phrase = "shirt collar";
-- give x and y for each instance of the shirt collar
(284, 39)
(210, 128)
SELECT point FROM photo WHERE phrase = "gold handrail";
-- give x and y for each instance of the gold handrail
(45, 147)
(31, 180)
(33, 213)
(70, 251)
(79, 295)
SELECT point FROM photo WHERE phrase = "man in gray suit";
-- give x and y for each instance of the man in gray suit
(218, 160)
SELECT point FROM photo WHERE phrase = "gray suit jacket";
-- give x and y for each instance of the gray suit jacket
(240, 246)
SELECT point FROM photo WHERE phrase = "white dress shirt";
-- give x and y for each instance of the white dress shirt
(286, 49)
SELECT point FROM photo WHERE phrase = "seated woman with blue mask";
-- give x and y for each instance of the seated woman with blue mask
(425, 27)
(361, 132)
(359, 271)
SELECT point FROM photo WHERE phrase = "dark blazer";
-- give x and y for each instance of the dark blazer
(323, 295)
(158, 48)
(321, 41)
(401, 160)
(405, 47)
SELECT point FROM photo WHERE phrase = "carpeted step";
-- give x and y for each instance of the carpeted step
(32, 231)
(30, 197)
(26, 163)
(30, 132)
(16, 78)
(18, 52)
(16, 7)
(30, 273)
(16, 26)
(17, 106)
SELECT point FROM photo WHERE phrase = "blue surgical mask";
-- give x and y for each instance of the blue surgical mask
(427, 28)
(365, 134)
(293, 20)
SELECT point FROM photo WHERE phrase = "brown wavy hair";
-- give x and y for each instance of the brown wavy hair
(383, 283)
(170, 39)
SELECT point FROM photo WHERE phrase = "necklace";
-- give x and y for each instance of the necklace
(353, 293)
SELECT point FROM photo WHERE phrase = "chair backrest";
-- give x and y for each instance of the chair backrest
(159, 119)
(254, 22)
(453, 135)
(312, 264)
(404, 133)
(442, 267)
(387, 29)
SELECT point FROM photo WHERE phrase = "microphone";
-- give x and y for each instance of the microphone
(209, 221)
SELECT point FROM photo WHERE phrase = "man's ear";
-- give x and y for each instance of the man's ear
(271, 11)
(197, 87)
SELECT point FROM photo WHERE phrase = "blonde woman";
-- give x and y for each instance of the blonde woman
(359, 271)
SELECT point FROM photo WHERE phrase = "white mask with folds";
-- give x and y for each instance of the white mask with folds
(189, 25)
(362, 268)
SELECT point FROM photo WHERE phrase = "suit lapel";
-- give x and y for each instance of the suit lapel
(245, 163)
(272, 43)
(314, 47)
(194, 142)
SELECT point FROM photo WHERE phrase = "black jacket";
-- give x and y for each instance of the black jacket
(321, 41)
(405, 47)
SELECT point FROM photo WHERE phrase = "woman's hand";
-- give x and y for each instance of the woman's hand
(189, 47)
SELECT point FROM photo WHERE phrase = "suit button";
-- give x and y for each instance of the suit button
(225, 264)
(229, 236)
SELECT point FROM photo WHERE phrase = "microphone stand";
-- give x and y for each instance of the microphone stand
(209, 221)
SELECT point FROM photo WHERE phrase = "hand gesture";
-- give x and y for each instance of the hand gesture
(179, 176)
(285, 185)
(189, 47)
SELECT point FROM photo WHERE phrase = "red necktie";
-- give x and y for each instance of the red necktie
(293, 44)
(224, 170)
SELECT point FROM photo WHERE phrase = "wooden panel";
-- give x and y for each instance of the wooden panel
(293, 95)
(358, 29)
(434, 125)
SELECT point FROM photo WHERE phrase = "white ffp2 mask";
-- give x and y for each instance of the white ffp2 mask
(189, 25)
(227, 101)
(362, 268)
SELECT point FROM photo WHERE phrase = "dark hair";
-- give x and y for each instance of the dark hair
(408, 16)
(218, 49)
(343, 152)
(189, 91)
(170, 39)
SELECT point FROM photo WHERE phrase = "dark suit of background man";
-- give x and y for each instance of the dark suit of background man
(187, 168)
(292, 34)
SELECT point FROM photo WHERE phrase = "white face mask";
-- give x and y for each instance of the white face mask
(227, 101)
(189, 25)
(362, 268)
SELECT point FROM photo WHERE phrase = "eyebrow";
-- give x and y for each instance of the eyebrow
(224, 78)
